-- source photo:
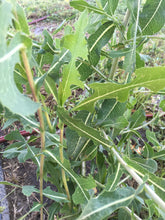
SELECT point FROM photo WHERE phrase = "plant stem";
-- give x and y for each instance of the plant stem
(41, 120)
(130, 212)
(46, 115)
(62, 160)
(115, 60)
(138, 179)
(83, 168)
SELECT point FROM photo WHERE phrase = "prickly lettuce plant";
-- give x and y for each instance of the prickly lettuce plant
(86, 137)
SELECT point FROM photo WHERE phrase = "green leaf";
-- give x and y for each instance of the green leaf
(51, 88)
(22, 156)
(48, 44)
(124, 215)
(5, 20)
(137, 118)
(9, 184)
(86, 183)
(15, 135)
(111, 109)
(148, 151)
(119, 53)
(152, 138)
(118, 123)
(82, 129)
(102, 206)
(98, 40)
(63, 58)
(28, 190)
(75, 143)
(36, 208)
(82, 191)
(114, 179)
(58, 197)
(162, 105)
(148, 164)
(152, 78)
(22, 21)
(76, 43)
(101, 167)
(158, 183)
(82, 5)
(161, 212)
(151, 207)
(84, 69)
(9, 94)
(159, 155)
(109, 6)
(152, 17)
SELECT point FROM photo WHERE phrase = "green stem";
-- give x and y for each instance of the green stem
(62, 160)
(46, 115)
(40, 116)
(138, 179)
(115, 60)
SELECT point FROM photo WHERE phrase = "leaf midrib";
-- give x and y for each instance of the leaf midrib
(115, 91)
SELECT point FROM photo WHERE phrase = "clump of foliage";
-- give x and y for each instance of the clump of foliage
(93, 71)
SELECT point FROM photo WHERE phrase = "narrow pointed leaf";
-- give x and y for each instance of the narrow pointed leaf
(82, 129)
(111, 109)
(114, 179)
(75, 143)
(58, 197)
(109, 6)
(82, 5)
(151, 137)
(152, 17)
(35, 208)
(99, 39)
(82, 191)
(137, 118)
(159, 155)
(104, 205)
(58, 60)
(76, 43)
(152, 78)
(23, 25)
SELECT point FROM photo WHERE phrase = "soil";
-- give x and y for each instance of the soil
(20, 174)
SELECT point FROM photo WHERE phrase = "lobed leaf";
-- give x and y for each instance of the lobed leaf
(152, 78)
(82, 129)
(81, 193)
(76, 44)
(102, 206)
